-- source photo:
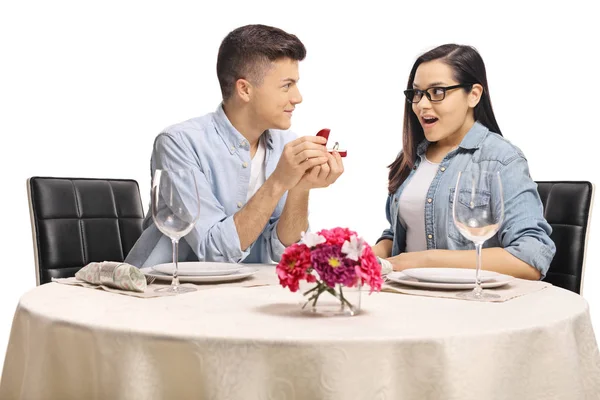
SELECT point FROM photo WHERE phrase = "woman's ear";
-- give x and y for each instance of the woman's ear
(475, 95)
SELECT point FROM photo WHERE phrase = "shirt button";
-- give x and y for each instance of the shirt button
(443, 169)
(429, 200)
(430, 236)
(245, 164)
(243, 143)
(232, 149)
(239, 204)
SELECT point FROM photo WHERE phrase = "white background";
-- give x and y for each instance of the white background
(84, 89)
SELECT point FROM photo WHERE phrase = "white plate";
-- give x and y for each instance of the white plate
(400, 277)
(449, 275)
(199, 268)
(243, 272)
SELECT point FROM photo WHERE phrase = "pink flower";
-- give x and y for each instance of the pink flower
(368, 270)
(332, 265)
(337, 235)
(293, 266)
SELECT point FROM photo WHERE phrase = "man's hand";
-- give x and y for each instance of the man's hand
(321, 176)
(299, 156)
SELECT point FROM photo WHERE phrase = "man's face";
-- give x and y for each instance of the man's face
(274, 99)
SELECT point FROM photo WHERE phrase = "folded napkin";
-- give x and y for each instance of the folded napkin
(386, 266)
(112, 274)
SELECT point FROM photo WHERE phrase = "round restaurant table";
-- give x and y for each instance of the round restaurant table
(69, 342)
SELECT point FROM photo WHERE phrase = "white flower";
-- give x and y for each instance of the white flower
(353, 248)
(312, 239)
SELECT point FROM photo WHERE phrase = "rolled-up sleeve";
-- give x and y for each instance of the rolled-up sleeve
(214, 237)
(525, 233)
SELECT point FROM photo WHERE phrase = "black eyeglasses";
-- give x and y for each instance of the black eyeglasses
(434, 94)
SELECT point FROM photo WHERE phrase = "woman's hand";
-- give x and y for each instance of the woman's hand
(408, 260)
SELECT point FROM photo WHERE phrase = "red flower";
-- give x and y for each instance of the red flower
(293, 266)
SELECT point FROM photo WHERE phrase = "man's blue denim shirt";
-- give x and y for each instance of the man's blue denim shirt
(220, 156)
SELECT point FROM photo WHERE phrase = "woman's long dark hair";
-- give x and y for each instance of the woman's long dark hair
(468, 68)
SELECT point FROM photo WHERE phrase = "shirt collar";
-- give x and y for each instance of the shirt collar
(474, 138)
(231, 135)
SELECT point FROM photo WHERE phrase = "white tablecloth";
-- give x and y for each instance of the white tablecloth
(253, 343)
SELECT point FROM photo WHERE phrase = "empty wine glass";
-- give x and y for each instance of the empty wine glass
(478, 212)
(175, 210)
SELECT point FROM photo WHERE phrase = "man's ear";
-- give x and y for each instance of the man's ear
(243, 89)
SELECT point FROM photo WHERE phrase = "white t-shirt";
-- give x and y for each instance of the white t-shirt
(257, 169)
(412, 205)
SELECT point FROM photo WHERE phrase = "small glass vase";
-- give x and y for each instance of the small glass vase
(337, 301)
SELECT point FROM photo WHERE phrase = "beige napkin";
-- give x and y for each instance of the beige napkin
(149, 292)
(265, 276)
(516, 288)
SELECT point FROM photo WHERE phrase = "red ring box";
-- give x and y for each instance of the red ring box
(325, 133)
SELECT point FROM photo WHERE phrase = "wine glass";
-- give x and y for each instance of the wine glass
(478, 212)
(175, 210)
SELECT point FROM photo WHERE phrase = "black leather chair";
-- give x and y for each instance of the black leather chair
(76, 221)
(568, 209)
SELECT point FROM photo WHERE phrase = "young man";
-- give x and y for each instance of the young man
(253, 176)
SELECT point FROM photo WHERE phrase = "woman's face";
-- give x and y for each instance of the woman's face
(448, 120)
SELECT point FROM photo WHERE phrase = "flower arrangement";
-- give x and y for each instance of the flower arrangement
(333, 259)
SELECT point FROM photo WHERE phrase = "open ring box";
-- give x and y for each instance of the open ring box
(325, 133)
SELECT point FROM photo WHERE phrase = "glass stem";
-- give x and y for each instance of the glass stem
(478, 289)
(175, 281)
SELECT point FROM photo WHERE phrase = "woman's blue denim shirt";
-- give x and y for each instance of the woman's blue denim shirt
(524, 232)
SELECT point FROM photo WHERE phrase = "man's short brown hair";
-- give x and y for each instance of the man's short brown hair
(246, 53)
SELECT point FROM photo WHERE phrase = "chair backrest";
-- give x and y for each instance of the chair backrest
(76, 221)
(568, 209)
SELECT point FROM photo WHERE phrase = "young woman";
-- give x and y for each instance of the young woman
(449, 126)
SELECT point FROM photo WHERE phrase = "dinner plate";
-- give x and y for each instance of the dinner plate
(242, 273)
(400, 277)
(449, 275)
(199, 268)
